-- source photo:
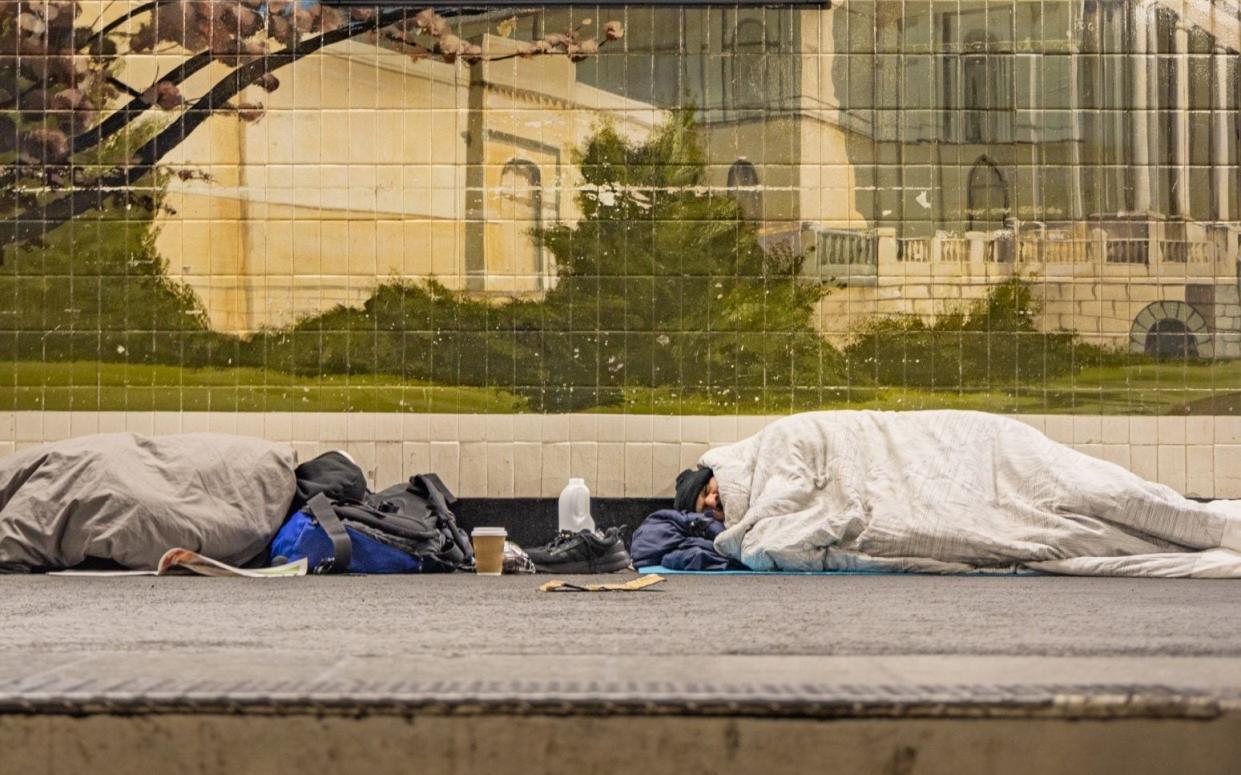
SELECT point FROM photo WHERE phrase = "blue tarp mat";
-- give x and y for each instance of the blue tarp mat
(661, 570)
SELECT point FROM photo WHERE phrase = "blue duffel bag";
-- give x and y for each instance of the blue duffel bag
(303, 536)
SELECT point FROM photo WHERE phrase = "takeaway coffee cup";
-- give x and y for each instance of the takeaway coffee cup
(489, 550)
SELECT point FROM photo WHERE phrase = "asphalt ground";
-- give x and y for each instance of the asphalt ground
(752, 646)
(465, 615)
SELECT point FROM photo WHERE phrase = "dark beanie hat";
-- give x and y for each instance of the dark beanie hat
(689, 483)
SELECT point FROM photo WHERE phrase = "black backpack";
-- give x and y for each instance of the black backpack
(412, 516)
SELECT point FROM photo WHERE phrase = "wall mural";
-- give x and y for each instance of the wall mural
(279, 205)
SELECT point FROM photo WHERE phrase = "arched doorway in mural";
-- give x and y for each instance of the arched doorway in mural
(986, 196)
(1172, 330)
(743, 187)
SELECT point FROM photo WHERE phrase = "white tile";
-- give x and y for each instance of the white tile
(1059, 427)
(1200, 430)
(500, 469)
(584, 461)
(7, 422)
(583, 427)
(1036, 421)
(305, 450)
(444, 428)
(250, 424)
(7, 448)
(220, 422)
(1172, 466)
(555, 429)
(639, 458)
(364, 454)
(611, 428)
(690, 453)
(1227, 430)
(750, 424)
(278, 426)
(722, 429)
(1094, 450)
(1144, 461)
(113, 422)
(498, 427)
(1200, 470)
(415, 458)
(446, 461)
(528, 427)
(666, 428)
(415, 426)
(166, 423)
(143, 422)
(638, 427)
(56, 426)
(1115, 430)
(555, 468)
(1227, 470)
(665, 465)
(1115, 453)
(695, 428)
(527, 469)
(473, 471)
(1143, 430)
(1171, 430)
(1087, 429)
(387, 427)
(361, 426)
(22, 446)
(610, 476)
(83, 424)
(334, 427)
(389, 462)
(29, 426)
(306, 426)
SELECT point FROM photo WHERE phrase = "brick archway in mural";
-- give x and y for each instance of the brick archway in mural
(1171, 329)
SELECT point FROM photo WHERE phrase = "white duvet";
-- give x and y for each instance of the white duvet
(955, 492)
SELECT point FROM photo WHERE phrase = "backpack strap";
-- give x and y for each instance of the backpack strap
(342, 549)
(438, 496)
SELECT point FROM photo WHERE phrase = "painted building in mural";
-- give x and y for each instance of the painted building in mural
(920, 151)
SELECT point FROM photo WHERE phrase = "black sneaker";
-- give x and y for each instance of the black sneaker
(582, 552)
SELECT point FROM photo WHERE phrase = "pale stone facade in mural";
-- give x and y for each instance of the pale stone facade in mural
(924, 150)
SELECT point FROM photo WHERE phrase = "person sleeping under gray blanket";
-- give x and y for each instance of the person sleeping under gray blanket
(128, 498)
(947, 492)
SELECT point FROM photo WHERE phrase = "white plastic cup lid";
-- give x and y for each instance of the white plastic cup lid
(484, 532)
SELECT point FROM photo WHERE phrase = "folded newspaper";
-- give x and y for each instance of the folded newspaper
(183, 562)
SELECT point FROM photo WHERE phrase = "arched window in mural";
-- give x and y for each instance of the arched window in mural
(743, 187)
(987, 204)
(521, 210)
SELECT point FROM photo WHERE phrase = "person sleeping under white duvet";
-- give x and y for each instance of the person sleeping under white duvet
(948, 492)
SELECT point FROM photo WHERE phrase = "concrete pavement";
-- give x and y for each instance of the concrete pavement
(1141, 674)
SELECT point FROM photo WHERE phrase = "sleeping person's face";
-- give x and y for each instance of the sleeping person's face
(709, 500)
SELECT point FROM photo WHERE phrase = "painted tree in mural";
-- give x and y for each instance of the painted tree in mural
(664, 293)
(66, 101)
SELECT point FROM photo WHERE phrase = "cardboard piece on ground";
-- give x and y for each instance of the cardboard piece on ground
(633, 585)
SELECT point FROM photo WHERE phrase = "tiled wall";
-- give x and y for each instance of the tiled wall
(531, 455)
(1030, 207)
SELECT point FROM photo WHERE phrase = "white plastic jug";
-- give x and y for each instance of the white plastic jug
(575, 507)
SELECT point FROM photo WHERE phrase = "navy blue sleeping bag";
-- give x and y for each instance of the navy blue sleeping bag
(679, 540)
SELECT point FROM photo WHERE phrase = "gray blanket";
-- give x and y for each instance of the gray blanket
(130, 498)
